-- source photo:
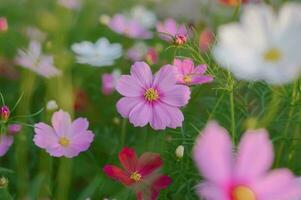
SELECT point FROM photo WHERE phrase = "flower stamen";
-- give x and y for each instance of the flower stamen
(64, 141)
(136, 176)
(151, 95)
(242, 193)
(272, 55)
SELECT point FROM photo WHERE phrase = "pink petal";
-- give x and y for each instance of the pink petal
(79, 125)
(81, 141)
(55, 151)
(148, 163)
(196, 80)
(182, 30)
(141, 114)
(129, 86)
(187, 66)
(5, 143)
(118, 23)
(160, 118)
(253, 162)
(171, 26)
(61, 122)
(128, 159)
(279, 184)
(161, 183)
(126, 104)
(165, 78)
(176, 116)
(143, 73)
(45, 136)
(178, 95)
(209, 191)
(213, 153)
(117, 174)
(201, 69)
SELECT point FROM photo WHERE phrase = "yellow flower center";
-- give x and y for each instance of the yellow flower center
(242, 193)
(272, 55)
(136, 176)
(187, 79)
(64, 141)
(151, 95)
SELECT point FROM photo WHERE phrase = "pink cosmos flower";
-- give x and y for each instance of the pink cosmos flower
(244, 175)
(128, 27)
(152, 99)
(109, 82)
(3, 24)
(70, 4)
(65, 138)
(34, 60)
(151, 56)
(4, 113)
(188, 74)
(140, 174)
(171, 32)
(206, 39)
(7, 139)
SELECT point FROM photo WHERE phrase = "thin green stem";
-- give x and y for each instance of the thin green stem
(123, 132)
(63, 179)
(232, 109)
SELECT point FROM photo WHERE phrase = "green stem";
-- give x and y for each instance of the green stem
(123, 131)
(21, 152)
(63, 179)
(232, 108)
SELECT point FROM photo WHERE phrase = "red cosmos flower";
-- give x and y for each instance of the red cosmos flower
(140, 174)
(237, 2)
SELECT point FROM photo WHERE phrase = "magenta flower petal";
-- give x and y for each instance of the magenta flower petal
(201, 69)
(218, 168)
(165, 78)
(142, 72)
(140, 114)
(148, 163)
(279, 184)
(253, 162)
(5, 142)
(129, 86)
(45, 136)
(161, 118)
(61, 122)
(126, 104)
(201, 79)
(117, 174)
(177, 96)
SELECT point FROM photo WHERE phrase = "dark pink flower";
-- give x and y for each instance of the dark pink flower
(189, 75)
(3, 24)
(4, 113)
(172, 32)
(128, 27)
(141, 174)
(109, 82)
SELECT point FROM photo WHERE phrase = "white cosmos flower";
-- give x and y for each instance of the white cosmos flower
(264, 45)
(145, 17)
(102, 53)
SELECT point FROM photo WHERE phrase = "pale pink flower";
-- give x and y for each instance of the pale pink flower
(109, 82)
(34, 60)
(243, 175)
(70, 4)
(188, 74)
(7, 139)
(128, 27)
(172, 32)
(153, 99)
(65, 138)
(3, 24)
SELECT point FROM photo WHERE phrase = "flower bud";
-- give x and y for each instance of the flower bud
(180, 151)
(3, 182)
(51, 105)
(4, 113)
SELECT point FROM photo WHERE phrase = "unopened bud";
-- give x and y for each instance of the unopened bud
(180, 151)
(4, 113)
(51, 105)
(104, 19)
(3, 182)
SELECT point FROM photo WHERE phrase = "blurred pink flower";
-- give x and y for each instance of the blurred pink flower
(206, 40)
(3, 24)
(70, 4)
(141, 173)
(244, 175)
(188, 74)
(152, 99)
(171, 32)
(151, 56)
(109, 82)
(7, 139)
(141, 52)
(128, 27)
(34, 60)
(65, 138)
(4, 113)
(237, 2)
